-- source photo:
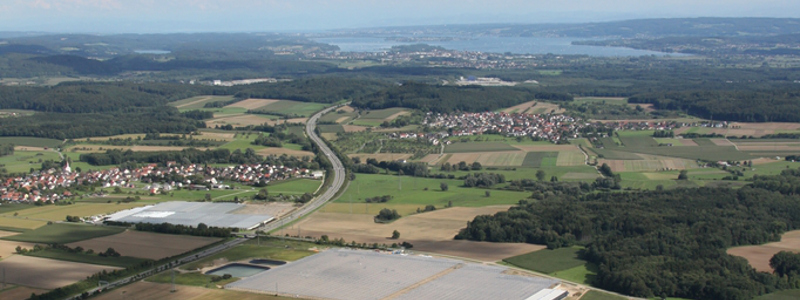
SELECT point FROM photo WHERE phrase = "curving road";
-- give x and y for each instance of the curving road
(338, 176)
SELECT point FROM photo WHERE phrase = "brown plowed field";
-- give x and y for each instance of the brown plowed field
(354, 128)
(431, 232)
(688, 142)
(759, 256)
(253, 103)
(20, 292)
(46, 273)
(147, 245)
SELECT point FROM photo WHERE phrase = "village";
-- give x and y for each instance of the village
(54, 185)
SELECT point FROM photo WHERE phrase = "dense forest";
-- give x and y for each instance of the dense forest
(656, 243)
(444, 99)
(186, 156)
(781, 105)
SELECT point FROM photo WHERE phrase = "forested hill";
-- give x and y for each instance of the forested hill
(442, 99)
(656, 243)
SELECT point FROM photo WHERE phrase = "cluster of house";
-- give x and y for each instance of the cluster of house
(438, 57)
(42, 186)
(545, 126)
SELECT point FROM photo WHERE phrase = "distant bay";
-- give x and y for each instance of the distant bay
(492, 44)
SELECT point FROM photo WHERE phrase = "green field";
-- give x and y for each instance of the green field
(23, 161)
(265, 248)
(330, 128)
(782, 295)
(615, 101)
(30, 141)
(595, 295)
(293, 187)
(411, 192)
(63, 233)
(638, 141)
(12, 207)
(122, 261)
(540, 159)
(478, 147)
(704, 142)
(191, 279)
(289, 107)
(381, 114)
(548, 261)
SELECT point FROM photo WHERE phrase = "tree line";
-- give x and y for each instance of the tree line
(659, 243)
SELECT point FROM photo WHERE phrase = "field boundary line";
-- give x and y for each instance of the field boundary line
(423, 282)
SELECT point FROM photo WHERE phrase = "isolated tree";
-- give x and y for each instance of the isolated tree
(443, 186)
(488, 194)
(395, 235)
(553, 179)
(476, 166)
(684, 175)
(262, 194)
(540, 175)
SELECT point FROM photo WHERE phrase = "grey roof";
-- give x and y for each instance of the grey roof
(193, 213)
(361, 275)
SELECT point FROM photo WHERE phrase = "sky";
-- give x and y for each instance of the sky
(163, 16)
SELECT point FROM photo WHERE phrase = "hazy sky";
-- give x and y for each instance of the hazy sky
(139, 16)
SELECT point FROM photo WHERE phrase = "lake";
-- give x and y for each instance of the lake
(492, 44)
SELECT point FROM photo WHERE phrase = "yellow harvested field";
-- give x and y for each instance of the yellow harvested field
(144, 290)
(147, 245)
(199, 100)
(430, 232)
(60, 212)
(767, 126)
(4, 233)
(346, 108)
(20, 292)
(502, 159)
(397, 115)
(9, 248)
(330, 136)
(281, 151)
(253, 103)
(28, 148)
(545, 108)
(241, 120)
(520, 108)
(615, 164)
(759, 256)
(47, 273)
(570, 159)
(547, 148)
(381, 156)
(459, 157)
(722, 142)
(431, 159)
(354, 128)
(20, 222)
(342, 119)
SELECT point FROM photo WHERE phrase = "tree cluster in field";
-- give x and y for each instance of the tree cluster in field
(663, 134)
(379, 199)
(652, 243)
(6, 149)
(461, 166)
(185, 156)
(387, 215)
(200, 230)
(446, 99)
(484, 180)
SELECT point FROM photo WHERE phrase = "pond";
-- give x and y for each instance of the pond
(237, 270)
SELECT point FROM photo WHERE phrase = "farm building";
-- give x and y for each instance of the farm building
(359, 274)
(193, 213)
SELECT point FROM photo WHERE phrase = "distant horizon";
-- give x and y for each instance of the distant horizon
(374, 27)
(228, 16)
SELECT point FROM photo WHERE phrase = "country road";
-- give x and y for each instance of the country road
(338, 177)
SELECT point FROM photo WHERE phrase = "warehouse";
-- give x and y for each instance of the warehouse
(193, 213)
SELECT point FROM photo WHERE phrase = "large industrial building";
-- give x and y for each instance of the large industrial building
(192, 214)
(362, 275)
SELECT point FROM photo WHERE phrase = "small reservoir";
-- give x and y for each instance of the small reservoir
(269, 262)
(238, 270)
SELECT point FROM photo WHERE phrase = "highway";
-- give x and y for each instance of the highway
(338, 182)
(338, 177)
